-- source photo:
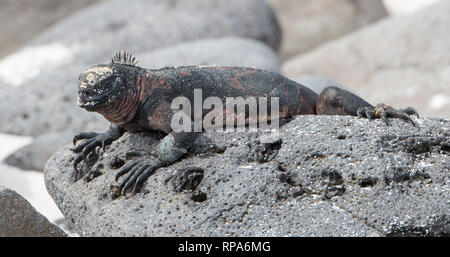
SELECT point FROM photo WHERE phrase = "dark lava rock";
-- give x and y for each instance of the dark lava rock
(19, 219)
(317, 184)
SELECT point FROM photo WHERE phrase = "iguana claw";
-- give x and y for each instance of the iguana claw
(137, 173)
(84, 135)
(384, 111)
(91, 141)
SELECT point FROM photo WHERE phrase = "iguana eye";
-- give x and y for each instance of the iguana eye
(108, 82)
(116, 82)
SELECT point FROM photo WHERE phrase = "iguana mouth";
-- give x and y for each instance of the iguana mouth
(93, 103)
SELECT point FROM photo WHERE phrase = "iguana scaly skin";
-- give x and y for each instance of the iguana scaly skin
(135, 99)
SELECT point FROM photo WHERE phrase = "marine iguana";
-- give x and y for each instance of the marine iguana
(136, 99)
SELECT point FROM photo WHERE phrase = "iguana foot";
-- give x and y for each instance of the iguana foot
(138, 172)
(91, 141)
(384, 111)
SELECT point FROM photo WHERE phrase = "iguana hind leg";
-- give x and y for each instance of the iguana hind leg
(384, 111)
(337, 101)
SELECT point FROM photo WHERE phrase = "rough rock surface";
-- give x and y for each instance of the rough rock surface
(322, 176)
(43, 76)
(401, 61)
(19, 218)
(34, 155)
(23, 19)
(227, 51)
(308, 24)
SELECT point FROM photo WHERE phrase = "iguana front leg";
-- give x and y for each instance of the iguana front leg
(92, 140)
(168, 151)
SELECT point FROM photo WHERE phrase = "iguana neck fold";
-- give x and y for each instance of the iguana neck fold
(122, 109)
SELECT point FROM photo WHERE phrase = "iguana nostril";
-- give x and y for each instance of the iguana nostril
(87, 93)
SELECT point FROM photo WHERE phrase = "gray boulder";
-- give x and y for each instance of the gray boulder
(401, 61)
(47, 104)
(309, 23)
(16, 30)
(19, 219)
(321, 176)
(34, 155)
(143, 25)
(227, 51)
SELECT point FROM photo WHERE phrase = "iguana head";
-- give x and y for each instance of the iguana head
(111, 89)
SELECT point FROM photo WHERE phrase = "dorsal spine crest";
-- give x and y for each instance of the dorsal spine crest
(125, 58)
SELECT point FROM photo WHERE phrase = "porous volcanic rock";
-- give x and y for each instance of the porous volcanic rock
(320, 176)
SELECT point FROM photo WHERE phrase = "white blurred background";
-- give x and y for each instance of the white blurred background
(398, 7)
